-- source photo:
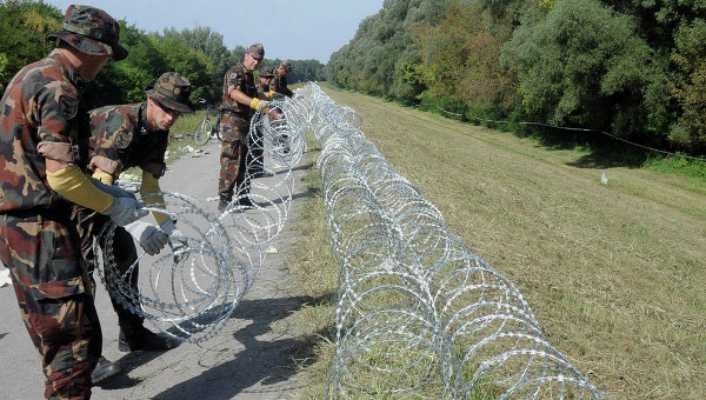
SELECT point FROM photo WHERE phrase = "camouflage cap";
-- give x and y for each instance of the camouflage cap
(172, 91)
(92, 31)
(257, 50)
(265, 74)
(286, 64)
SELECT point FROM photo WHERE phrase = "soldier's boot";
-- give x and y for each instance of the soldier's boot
(134, 338)
(245, 202)
(223, 203)
(104, 369)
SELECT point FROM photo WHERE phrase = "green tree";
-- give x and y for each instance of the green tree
(583, 64)
(689, 86)
(192, 63)
(460, 62)
(380, 57)
(24, 26)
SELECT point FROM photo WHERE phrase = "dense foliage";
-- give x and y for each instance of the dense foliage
(633, 67)
(199, 54)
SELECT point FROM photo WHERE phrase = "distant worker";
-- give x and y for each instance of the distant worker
(255, 151)
(279, 82)
(239, 104)
(263, 86)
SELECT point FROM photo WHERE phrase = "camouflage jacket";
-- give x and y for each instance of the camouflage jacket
(120, 140)
(279, 85)
(39, 119)
(238, 77)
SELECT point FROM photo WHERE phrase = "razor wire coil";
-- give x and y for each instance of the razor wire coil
(419, 315)
(190, 293)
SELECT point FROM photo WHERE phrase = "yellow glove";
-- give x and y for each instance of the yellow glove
(103, 176)
(77, 188)
(152, 195)
(259, 105)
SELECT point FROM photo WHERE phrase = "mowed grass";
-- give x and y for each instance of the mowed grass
(614, 273)
(315, 273)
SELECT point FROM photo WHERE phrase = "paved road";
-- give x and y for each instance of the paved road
(249, 359)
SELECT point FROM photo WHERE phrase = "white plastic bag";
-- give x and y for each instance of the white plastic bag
(4, 276)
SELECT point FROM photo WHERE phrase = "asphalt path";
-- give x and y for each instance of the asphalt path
(251, 358)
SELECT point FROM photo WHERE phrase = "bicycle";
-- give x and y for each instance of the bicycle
(208, 127)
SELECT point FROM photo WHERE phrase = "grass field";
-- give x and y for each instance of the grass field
(614, 273)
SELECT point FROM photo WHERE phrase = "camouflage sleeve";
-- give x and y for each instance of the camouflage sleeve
(234, 80)
(52, 109)
(111, 133)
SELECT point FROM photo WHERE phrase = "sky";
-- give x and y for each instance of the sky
(294, 29)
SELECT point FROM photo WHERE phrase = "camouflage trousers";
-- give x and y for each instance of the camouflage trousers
(91, 224)
(234, 131)
(57, 308)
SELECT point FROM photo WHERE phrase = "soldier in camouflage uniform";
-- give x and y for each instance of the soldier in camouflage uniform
(125, 136)
(279, 82)
(240, 101)
(264, 84)
(42, 161)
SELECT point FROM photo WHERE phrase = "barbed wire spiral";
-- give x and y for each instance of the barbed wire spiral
(189, 293)
(419, 315)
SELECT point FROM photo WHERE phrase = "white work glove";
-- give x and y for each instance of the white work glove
(125, 210)
(113, 190)
(151, 238)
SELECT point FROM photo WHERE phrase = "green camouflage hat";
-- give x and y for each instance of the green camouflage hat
(92, 31)
(257, 50)
(286, 64)
(172, 91)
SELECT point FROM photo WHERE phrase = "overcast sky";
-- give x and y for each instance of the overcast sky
(296, 29)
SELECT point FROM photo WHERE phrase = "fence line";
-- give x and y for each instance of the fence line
(573, 129)
(419, 315)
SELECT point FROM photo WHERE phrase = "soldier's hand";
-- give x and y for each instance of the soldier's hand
(177, 240)
(125, 210)
(150, 237)
(259, 105)
(263, 106)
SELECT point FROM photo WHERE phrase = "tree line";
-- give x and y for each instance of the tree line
(632, 67)
(199, 54)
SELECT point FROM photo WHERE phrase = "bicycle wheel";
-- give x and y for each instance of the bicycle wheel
(217, 130)
(203, 132)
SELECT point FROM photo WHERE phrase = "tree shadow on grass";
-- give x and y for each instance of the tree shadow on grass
(603, 151)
